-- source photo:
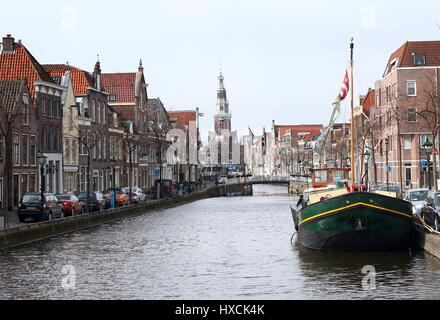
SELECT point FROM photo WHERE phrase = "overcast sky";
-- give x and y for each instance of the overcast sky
(282, 60)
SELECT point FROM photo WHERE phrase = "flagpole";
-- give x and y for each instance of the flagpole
(351, 113)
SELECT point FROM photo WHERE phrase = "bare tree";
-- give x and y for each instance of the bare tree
(395, 115)
(131, 144)
(367, 137)
(87, 141)
(431, 117)
(9, 115)
(158, 126)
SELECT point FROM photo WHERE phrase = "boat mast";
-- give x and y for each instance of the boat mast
(352, 129)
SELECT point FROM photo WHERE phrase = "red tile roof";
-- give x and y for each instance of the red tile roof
(20, 64)
(183, 117)
(369, 102)
(81, 80)
(311, 130)
(430, 49)
(121, 85)
(9, 93)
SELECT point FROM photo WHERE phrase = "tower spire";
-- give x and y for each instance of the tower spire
(141, 68)
(222, 117)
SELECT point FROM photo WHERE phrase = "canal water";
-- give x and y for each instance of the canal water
(223, 248)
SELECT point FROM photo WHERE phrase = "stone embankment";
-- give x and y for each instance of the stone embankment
(37, 231)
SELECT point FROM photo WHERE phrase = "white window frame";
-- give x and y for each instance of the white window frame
(406, 139)
(103, 105)
(424, 60)
(1, 193)
(67, 151)
(423, 137)
(34, 163)
(16, 161)
(104, 151)
(26, 109)
(2, 146)
(415, 112)
(415, 88)
(406, 167)
(98, 111)
(25, 136)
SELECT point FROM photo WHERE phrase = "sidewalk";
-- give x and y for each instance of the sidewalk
(13, 220)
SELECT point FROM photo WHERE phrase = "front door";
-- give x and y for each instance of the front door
(408, 177)
(16, 187)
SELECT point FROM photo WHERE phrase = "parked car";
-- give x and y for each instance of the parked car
(430, 211)
(122, 199)
(31, 206)
(395, 189)
(417, 198)
(137, 194)
(168, 188)
(71, 204)
(97, 202)
(107, 201)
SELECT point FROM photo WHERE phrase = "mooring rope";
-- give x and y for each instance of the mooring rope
(291, 239)
(424, 224)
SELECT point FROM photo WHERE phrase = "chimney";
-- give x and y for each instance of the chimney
(97, 75)
(8, 43)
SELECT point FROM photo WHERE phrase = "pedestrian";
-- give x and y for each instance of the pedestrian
(300, 202)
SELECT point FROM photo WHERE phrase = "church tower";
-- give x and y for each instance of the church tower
(222, 117)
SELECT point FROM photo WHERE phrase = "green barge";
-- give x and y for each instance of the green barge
(343, 218)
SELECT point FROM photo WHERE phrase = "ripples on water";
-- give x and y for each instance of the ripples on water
(224, 248)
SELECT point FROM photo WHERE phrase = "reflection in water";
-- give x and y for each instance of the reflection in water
(224, 248)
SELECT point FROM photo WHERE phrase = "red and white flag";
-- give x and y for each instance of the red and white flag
(319, 143)
(345, 86)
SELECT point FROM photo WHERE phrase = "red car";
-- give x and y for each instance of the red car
(71, 204)
(122, 199)
(168, 188)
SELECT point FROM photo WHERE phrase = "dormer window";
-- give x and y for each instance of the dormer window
(25, 99)
(419, 60)
(112, 97)
(81, 109)
(394, 63)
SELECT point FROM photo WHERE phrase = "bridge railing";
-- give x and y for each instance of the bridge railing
(237, 180)
(274, 179)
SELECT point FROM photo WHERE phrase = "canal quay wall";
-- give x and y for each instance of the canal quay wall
(38, 231)
(430, 242)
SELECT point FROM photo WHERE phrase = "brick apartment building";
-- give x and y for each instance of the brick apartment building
(91, 127)
(128, 99)
(19, 136)
(292, 147)
(16, 62)
(402, 98)
(187, 121)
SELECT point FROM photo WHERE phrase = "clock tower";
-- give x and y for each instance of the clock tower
(222, 116)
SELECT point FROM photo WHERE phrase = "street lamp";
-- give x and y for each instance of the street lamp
(41, 158)
(427, 146)
(366, 156)
(386, 160)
